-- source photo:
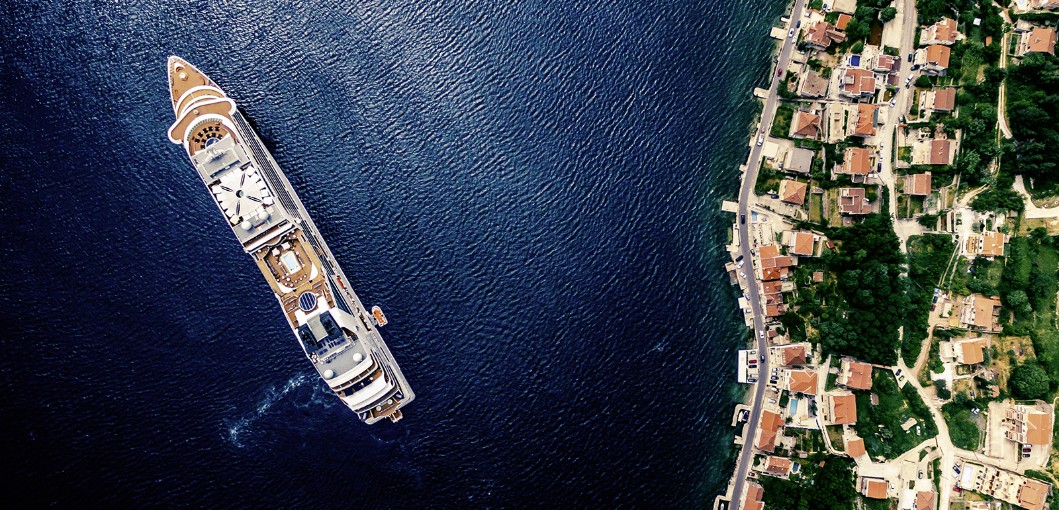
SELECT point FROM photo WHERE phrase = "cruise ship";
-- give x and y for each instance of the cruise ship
(338, 335)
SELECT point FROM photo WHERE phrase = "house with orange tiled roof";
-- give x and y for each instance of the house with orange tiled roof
(840, 408)
(1003, 485)
(981, 313)
(855, 375)
(779, 467)
(803, 244)
(943, 100)
(942, 32)
(986, 244)
(805, 125)
(769, 432)
(856, 163)
(925, 500)
(918, 184)
(855, 447)
(867, 119)
(853, 201)
(821, 35)
(884, 63)
(772, 264)
(754, 497)
(1029, 424)
(1038, 40)
(969, 352)
(857, 83)
(942, 152)
(793, 192)
(874, 488)
(933, 60)
(794, 355)
(802, 381)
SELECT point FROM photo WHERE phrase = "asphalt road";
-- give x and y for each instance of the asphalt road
(768, 113)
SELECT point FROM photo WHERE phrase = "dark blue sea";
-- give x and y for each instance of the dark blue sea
(531, 191)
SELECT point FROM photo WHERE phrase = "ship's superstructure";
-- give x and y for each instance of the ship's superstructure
(334, 329)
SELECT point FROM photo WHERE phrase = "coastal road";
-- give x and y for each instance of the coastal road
(768, 113)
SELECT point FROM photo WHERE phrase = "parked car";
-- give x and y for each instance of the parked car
(742, 219)
(921, 474)
(956, 469)
(752, 379)
(893, 102)
(898, 372)
(743, 415)
(791, 33)
(760, 139)
(1025, 455)
(910, 56)
(799, 24)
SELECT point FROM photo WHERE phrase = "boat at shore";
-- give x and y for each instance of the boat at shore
(334, 329)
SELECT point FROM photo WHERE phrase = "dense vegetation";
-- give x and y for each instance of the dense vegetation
(1030, 276)
(825, 483)
(1033, 114)
(867, 267)
(928, 257)
(880, 425)
(1028, 381)
(963, 426)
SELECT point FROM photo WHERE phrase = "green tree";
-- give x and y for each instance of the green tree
(1019, 302)
(888, 14)
(1028, 381)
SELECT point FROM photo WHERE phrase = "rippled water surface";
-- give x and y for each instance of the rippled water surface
(530, 190)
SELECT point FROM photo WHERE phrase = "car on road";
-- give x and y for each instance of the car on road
(799, 24)
(762, 358)
(910, 56)
(742, 219)
(761, 335)
(920, 474)
(893, 102)
(908, 82)
(791, 33)
(779, 73)
(760, 139)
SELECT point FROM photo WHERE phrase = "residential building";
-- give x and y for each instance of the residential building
(944, 99)
(805, 125)
(969, 352)
(855, 375)
(1004, 485)
(769, 431)
(853, 201)
(885, 63)
(856, 163)
(779, 467)
(793, 192)
(791, 355)
(802, 244)
(1045, 4)
(986, 244)
(933, 60)
(773, 266)
(857, 83)
(918, 184)
(802, 381)
(812, 85)
(942, 32)
(1029, 425)
(754, 497)
(798, 160)
(821, 34)
(942, 152)
(874, 488)
(840, 408)
(980, 313)
(855, 447)
(925, 500)
(867, 119)
(1038, 40)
